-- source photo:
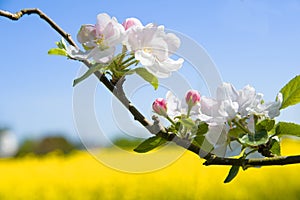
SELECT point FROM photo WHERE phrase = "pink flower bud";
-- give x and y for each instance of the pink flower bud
(129, 22)
(192, 97)
(160, 106)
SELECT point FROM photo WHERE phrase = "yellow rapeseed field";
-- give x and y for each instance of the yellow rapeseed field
(81, 176)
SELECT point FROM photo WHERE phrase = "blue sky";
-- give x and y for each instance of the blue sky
(251, 42)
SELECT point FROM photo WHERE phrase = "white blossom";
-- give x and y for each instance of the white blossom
(100, 40)
(152, 46)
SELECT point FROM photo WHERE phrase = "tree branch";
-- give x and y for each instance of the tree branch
(16, 16)
(155, 128)
(246, 163)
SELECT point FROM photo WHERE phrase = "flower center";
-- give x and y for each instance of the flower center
(99, 40)
(148, 50)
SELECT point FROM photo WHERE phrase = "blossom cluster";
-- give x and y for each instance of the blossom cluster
(230, 109)
(150, 45)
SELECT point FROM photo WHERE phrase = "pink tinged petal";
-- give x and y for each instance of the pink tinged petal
(192, 97)
(102, 21)
(159, 106)
(131, 22)
(86, 33)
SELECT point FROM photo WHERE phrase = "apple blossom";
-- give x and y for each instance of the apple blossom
(99, 40)
(159, 106)
(192, 97)
(177, 107)
(153, 48)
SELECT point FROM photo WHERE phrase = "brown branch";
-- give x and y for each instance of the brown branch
(156, 128)
(246, 163)
(16, 16)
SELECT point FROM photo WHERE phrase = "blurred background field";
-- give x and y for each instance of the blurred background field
(78, 175)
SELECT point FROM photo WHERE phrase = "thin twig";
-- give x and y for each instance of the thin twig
(16, 16)
(210, 158)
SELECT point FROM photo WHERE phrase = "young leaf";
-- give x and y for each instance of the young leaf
(287, 128)
(260, 137)
(291, 93)
(61, 44)
(89, 72)
(57, 51)
(234, 170)
(150, 144)
(236, 132)
(202, 128)
(147, 76)
(275, 147)
(266, 124)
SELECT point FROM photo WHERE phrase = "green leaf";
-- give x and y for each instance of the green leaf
(236, 132)
(275, 147)
(202, 128)
(57, 51)
(287, 128)
(150, 144)
(291, 93)
(89, 72)
(266, 124)
(234, 170)
(187, 122)
(147, 76)
(260, 137)
(203, 143)
(61, 44)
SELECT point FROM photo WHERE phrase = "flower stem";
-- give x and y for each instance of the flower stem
(188, 111)
(237, 123)
(170, 120)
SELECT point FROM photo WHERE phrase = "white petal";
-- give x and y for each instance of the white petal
(146, 59)
(173, 105)
(86, 33)
(173, 43)
(102, 20)
(209, 107)
(101, 56)
(226, 91)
